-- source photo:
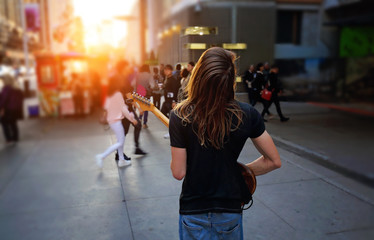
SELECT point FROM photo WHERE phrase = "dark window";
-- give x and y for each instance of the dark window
(288, 27)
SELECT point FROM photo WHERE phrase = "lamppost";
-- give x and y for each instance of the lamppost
(25, 37)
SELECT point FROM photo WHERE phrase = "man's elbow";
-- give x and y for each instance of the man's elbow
(178, 175)
(277, 163)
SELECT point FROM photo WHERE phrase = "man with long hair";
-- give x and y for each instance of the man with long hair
(207, 133)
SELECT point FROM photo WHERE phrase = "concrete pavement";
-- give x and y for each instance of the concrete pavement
(338, 137)
(50, 188)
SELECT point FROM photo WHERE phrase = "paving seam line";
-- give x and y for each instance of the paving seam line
(112, 141)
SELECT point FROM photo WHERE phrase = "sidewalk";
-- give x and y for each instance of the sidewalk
(50, 188)
(337, 136)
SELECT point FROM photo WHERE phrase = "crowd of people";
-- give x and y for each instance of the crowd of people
(170, 84)
(121, 111)
(260, 79)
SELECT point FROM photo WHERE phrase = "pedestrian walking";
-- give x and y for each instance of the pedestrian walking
(128, 79)
(157, 89)
(266, 71)
(205, 146)
(275, 88)
(78, 95)
(171, 87)
(184, 81)
(258, 84)
(162, 73)
(144, 84)
(11, 109)
(177, 72)
(248, 77)
(116, 111)
(190, 67)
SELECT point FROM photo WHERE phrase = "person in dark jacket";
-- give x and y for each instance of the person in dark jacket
(171, 87)
(177, 72)
(11, 109)
(156, 91)
(248, 77)
(275, 88)
(258, 83)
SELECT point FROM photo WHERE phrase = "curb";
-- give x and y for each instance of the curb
(362, 112)
(322, 160)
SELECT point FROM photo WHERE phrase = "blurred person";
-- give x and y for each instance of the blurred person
(157, 89)
(11, 108)
(162, 73)
(78, 95)
(95, 89)
(127, 76)
(258, 83)
(184, 81)
(190, 67)
(248, 77)
(144, 84)
(266, 71)
(177, 72)
(171, 87)
(275, 88)
(116, 111)
(205, 146)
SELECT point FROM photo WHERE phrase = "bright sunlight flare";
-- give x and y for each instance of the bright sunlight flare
(98, 16)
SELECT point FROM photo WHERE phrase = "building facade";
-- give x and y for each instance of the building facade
(300, 36)
(12, 33)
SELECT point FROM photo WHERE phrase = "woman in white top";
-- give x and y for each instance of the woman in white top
(116, 111)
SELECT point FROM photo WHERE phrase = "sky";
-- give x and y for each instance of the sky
(95, 12)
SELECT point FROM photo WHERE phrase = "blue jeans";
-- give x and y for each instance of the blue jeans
(211, 226)
(145, 115)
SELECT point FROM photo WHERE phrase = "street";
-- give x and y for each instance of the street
(51, 188)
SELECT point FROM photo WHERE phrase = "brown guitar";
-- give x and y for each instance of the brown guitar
(146, 105)
(249, 177)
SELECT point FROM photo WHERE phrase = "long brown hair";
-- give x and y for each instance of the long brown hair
(210, 105)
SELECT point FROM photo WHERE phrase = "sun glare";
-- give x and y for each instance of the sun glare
(98, 16)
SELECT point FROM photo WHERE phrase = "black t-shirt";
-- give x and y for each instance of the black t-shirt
(211, 183)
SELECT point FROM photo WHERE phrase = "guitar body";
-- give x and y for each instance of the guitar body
(146, 105)
(249, 177)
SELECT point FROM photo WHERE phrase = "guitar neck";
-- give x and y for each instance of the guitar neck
(160, 116)
(146, 105)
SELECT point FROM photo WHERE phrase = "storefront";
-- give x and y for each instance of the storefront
(57, 77)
